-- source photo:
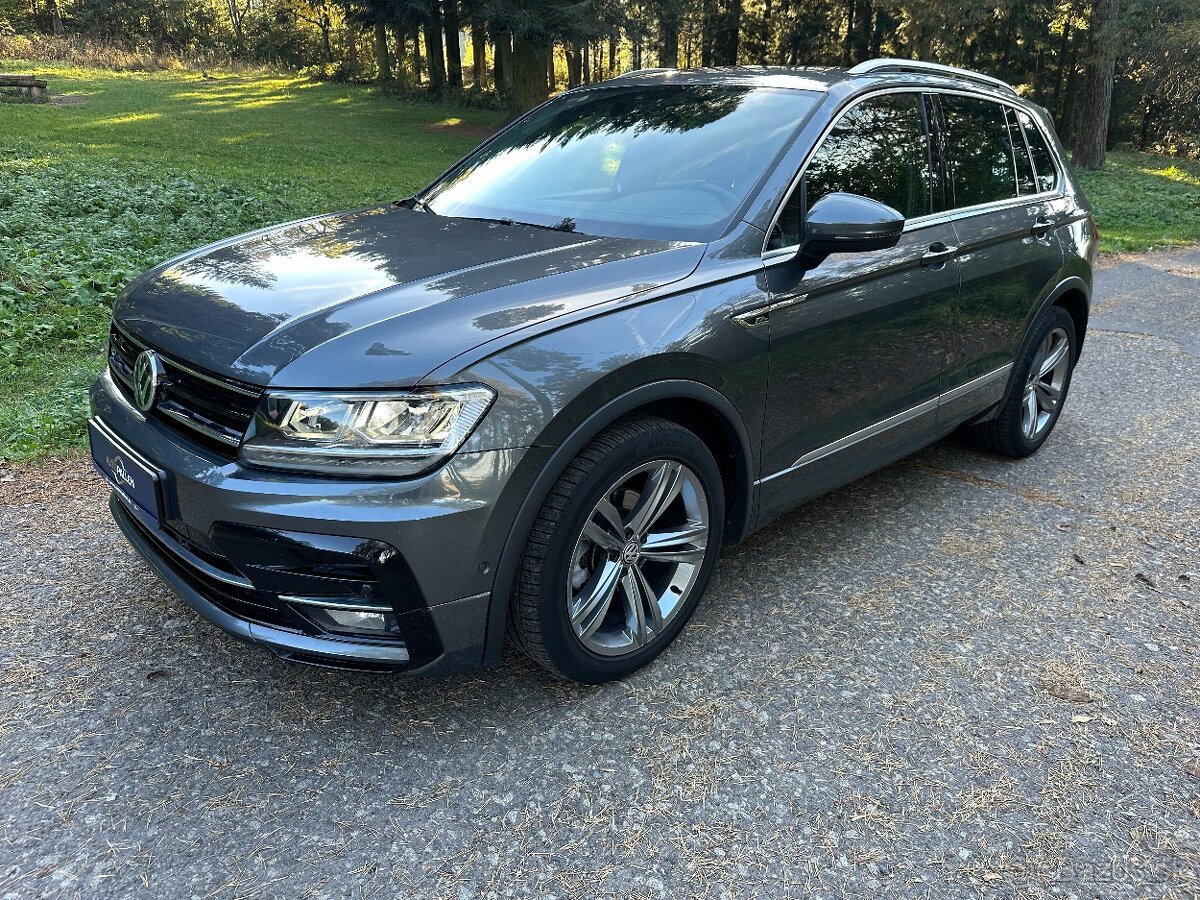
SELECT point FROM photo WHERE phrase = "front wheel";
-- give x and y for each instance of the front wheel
(620, 552)
(1037, 391)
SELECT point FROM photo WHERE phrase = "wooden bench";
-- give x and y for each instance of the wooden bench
(31, 87)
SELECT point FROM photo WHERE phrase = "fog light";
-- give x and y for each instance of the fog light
(353, 621)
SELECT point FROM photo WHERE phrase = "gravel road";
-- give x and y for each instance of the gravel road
(961, 676)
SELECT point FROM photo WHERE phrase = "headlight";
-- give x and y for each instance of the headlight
(394, 434)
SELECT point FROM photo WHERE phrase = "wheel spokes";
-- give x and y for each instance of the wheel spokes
(635, 607)
(1030, 417)
(637, 556)
(1056, 355)
(661, 489)
(685, 544)
(592, 605)
(1047, 395)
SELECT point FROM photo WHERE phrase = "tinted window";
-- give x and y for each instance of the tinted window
(1043, 161)
(1025, 180)
(877, 150)
(980, 155)
(670, 161)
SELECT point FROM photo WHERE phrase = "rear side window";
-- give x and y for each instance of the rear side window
(979, 152)
(1043, 159)
(877, 149)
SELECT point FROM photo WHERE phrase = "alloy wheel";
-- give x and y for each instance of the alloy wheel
(1044, 388)
(637, 558)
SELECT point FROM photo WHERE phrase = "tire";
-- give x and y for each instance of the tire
(558, 614)
(1008, 433)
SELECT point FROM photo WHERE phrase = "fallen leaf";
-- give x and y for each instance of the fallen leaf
(1079, 559)
(991, 876)
(1079, 720)
(1192, 767)
(1146, 580)
(157, 674)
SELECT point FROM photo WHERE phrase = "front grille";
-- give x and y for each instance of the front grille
(212, 406)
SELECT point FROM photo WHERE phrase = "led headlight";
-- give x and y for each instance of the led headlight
(393, 434)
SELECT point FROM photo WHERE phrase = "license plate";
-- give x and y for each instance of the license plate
(132, 477)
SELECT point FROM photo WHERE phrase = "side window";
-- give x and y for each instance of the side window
(980, 154)
(1043, 159)
(877, 149)
(1026, 183)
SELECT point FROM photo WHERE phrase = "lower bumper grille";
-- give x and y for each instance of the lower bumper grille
(243, 603)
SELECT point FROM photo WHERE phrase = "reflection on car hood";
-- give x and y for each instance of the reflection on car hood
(379, 296)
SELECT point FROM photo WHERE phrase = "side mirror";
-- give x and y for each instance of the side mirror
(848, 223)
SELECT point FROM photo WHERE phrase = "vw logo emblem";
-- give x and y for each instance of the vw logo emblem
(148, 373)
(631, 553)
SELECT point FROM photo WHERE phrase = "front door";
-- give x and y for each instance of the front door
(859, 342)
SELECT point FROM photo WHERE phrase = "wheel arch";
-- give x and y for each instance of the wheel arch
(1074, 295)
(692, 404)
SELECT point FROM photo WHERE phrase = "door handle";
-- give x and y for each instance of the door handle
(1041, 227)
(937, 254)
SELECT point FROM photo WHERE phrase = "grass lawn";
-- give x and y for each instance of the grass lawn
(125, 169)
(1143, 201)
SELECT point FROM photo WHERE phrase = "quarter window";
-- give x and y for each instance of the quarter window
(877, 149)
(1043, 160)
(1026, 183)
(979, 152)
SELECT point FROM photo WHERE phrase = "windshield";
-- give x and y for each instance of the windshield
(669, 161)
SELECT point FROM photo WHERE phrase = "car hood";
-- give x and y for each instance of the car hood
(379, 296)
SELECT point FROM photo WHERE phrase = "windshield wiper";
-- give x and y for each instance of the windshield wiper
(414, 203)
(567, 224)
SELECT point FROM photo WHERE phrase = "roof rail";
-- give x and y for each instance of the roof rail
(872, 66)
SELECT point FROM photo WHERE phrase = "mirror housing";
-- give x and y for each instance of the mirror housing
(848, 223)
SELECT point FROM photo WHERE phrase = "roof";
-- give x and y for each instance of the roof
(819, 78)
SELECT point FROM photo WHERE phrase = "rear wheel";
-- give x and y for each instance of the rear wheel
(620, 552)
(1037, 390)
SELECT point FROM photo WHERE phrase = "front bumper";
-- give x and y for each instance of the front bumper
(244, 547)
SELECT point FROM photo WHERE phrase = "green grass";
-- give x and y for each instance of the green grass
(136, 167)
(1143, 201)
(126, 169)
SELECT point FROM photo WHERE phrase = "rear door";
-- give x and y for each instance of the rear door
(857, 342)
(1004, 217)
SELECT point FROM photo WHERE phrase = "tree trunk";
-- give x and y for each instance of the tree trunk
(502, 59)
(418, 61)
(709, 29)
(351, 49)
(1096, 98)
(454, 74)
(528, 76)
(612, 56)
(326, 43)
(668, 38)
(433, 50)
(765, 54)
(585, 63)
(383, 60)
(551, 75)
(479, 55)
(848, 41)
(399, 73)
(572, 65)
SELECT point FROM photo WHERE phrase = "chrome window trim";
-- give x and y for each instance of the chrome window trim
(901, 418)
(779, 253)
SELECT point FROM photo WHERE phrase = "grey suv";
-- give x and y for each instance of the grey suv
(637, 323)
